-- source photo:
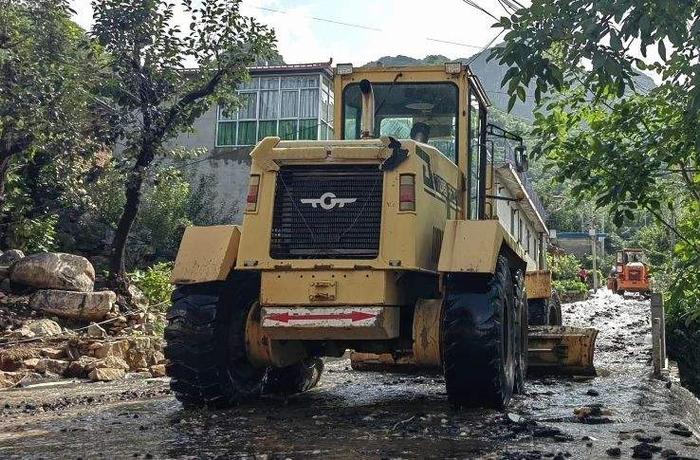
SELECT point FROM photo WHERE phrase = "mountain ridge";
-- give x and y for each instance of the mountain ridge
(490, 74)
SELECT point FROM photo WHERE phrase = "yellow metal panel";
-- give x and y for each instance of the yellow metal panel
(426, 332)
(538, 284)
(561, 350)
(206, 254)
(473, 246)
(329, 287)
(330, 323)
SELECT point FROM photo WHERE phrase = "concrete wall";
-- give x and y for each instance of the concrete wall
(580, 247)
(229, 167)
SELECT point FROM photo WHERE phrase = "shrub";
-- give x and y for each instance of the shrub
(570, 286)
(564, 267)
(34, 235)
(155, 283)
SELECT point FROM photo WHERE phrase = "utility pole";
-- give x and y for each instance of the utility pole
(594, 242)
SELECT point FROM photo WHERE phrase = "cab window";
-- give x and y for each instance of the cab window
(426, 112)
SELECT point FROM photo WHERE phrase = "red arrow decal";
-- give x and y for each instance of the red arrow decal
(279, 317)
(353, 316)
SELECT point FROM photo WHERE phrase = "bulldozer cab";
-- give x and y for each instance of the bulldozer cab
(442, 106)
(631, 255)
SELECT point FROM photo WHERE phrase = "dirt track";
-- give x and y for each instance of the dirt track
(372, 415)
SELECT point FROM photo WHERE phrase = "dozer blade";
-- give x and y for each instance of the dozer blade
(561, 350)
(558, 350)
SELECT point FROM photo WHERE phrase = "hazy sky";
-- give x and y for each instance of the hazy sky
(414, 28)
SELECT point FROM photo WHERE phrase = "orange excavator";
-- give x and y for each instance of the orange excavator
(631, 273)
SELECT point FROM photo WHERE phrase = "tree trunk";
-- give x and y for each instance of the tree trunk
(117, 266)
(4, 167)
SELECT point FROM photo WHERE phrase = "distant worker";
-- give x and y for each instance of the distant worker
(420, 132)
(583, 274)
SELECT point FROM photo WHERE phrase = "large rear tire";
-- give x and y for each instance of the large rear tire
(478, 339)
(205, 343)
(555, 315)
(538, 311)
(545, 312)
(520, 315)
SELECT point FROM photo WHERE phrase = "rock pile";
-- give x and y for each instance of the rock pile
(40, 295)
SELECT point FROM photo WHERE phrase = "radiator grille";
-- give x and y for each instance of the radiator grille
(325, 226)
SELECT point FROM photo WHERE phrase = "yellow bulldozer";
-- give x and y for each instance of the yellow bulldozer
(403, 237)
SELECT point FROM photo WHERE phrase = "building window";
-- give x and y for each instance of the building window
(294, 107)
(520, 231)
(513, 212)
(528, 241)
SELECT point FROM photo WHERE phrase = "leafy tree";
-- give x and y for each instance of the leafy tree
(623, 149)
(635, 150)
(46, 71)
(152, 92)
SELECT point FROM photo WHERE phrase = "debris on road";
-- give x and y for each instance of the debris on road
(54, 325)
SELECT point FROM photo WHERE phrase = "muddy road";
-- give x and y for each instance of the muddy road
(377, 415)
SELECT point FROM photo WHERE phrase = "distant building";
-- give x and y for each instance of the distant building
(290, 101)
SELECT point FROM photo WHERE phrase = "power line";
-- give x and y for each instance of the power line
(506, 7)
(473, 4)
(485, 47)
(370, 28)
(316, 18)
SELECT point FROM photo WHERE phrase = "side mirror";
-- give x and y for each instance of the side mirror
(522, 163)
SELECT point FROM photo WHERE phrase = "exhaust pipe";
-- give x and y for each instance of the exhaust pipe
(367, 121)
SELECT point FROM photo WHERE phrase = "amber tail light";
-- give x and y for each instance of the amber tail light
(253, 187)
(407, 192)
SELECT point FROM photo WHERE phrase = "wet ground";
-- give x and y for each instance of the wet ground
(376, 415)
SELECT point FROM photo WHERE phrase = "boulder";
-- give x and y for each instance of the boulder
(95, 331)
(105, 374)
(111, 362)
(8, 258)
(51, 270)
(138, 298)
(158, 370)
(44, 327)
(139, 359)
(88, 306)
(54, 366)
(118, 349)
(11, 359)
(30, 363)
(53, 353)
(10, 379)
(81, 367)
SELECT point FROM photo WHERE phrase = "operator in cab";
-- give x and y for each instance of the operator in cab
(420, 132)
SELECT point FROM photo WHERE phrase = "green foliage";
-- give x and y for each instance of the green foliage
(47, 127)
(570, 286)
(634, 150)
(154, 282)
(626, 150)
(683, 301)
(163, 216)
(564, 267)
(34, 235)
(153, 97)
